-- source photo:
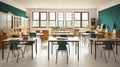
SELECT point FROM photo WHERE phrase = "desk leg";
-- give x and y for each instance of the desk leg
(95, 50)
(84, 40)
(32, 51)
(75, 48)
(116, 49)
(48, 50)
(51, 47)
(2, 50)
(91, 46)
(36, 46)
(78, 50)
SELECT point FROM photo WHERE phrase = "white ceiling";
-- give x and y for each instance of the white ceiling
(62, 3)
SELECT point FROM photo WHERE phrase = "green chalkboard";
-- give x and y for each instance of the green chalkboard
(110, 17)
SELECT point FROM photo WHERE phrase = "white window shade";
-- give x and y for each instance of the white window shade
(43, 16)
(77, 16)
(84, 16)
(35, 15)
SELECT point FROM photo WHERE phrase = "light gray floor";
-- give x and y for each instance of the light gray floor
(41, 59)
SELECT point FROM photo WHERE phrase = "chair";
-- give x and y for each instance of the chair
(45, 35)
(93, 35)
(67, 43)
(100, 28)
(30, 43)
(63, 36)
(14, 47)
(32, 34)
(37, 31)
(76, 32)
(86, 37)
(87, 31)
(61, 48)
(108, 46)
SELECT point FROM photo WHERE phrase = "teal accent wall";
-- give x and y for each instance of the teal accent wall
(8, 8)
(110, 17)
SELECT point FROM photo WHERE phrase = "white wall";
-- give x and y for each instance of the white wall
(113, 3)
(9, 2)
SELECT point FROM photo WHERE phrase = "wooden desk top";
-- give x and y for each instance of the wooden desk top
(20, 38)
(68, 39)
(105, 39)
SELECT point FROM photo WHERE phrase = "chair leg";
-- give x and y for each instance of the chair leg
(56, 56)
(67, 57)
(24, 49)
(105, 56)
(69, 48)
(76, 49)
(101, 53)
(114, 56)
(8, 57)
(17, 56)
(22, 52)
(108, 53)
(14, 53)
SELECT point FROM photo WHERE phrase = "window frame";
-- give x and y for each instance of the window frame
(51, 20)
(68, 20)
(42, 20)
(77, 20)
(64, 21)
(35, 20)
(60, 20)
(81, 20)
(84, 20)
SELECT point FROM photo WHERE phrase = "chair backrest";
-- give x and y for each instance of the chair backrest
(29, 43)
(93, 35)
(102, 26)
(108, 45)
(63, 36)
(13, 44)
(62, 45)
(45, 35)
(37, 31)
(32, 34)
(88, 32)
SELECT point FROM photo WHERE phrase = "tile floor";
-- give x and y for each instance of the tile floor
(41, 59)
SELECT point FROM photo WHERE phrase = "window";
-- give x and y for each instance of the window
(52, 19)
(43, 19)
(35, 19)
(35, 15)
(81, 19)
(77, 19)
(9, 21)
(60, 19)
(39, 19)
(85, 19)
(22, 22)
(68, 19)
